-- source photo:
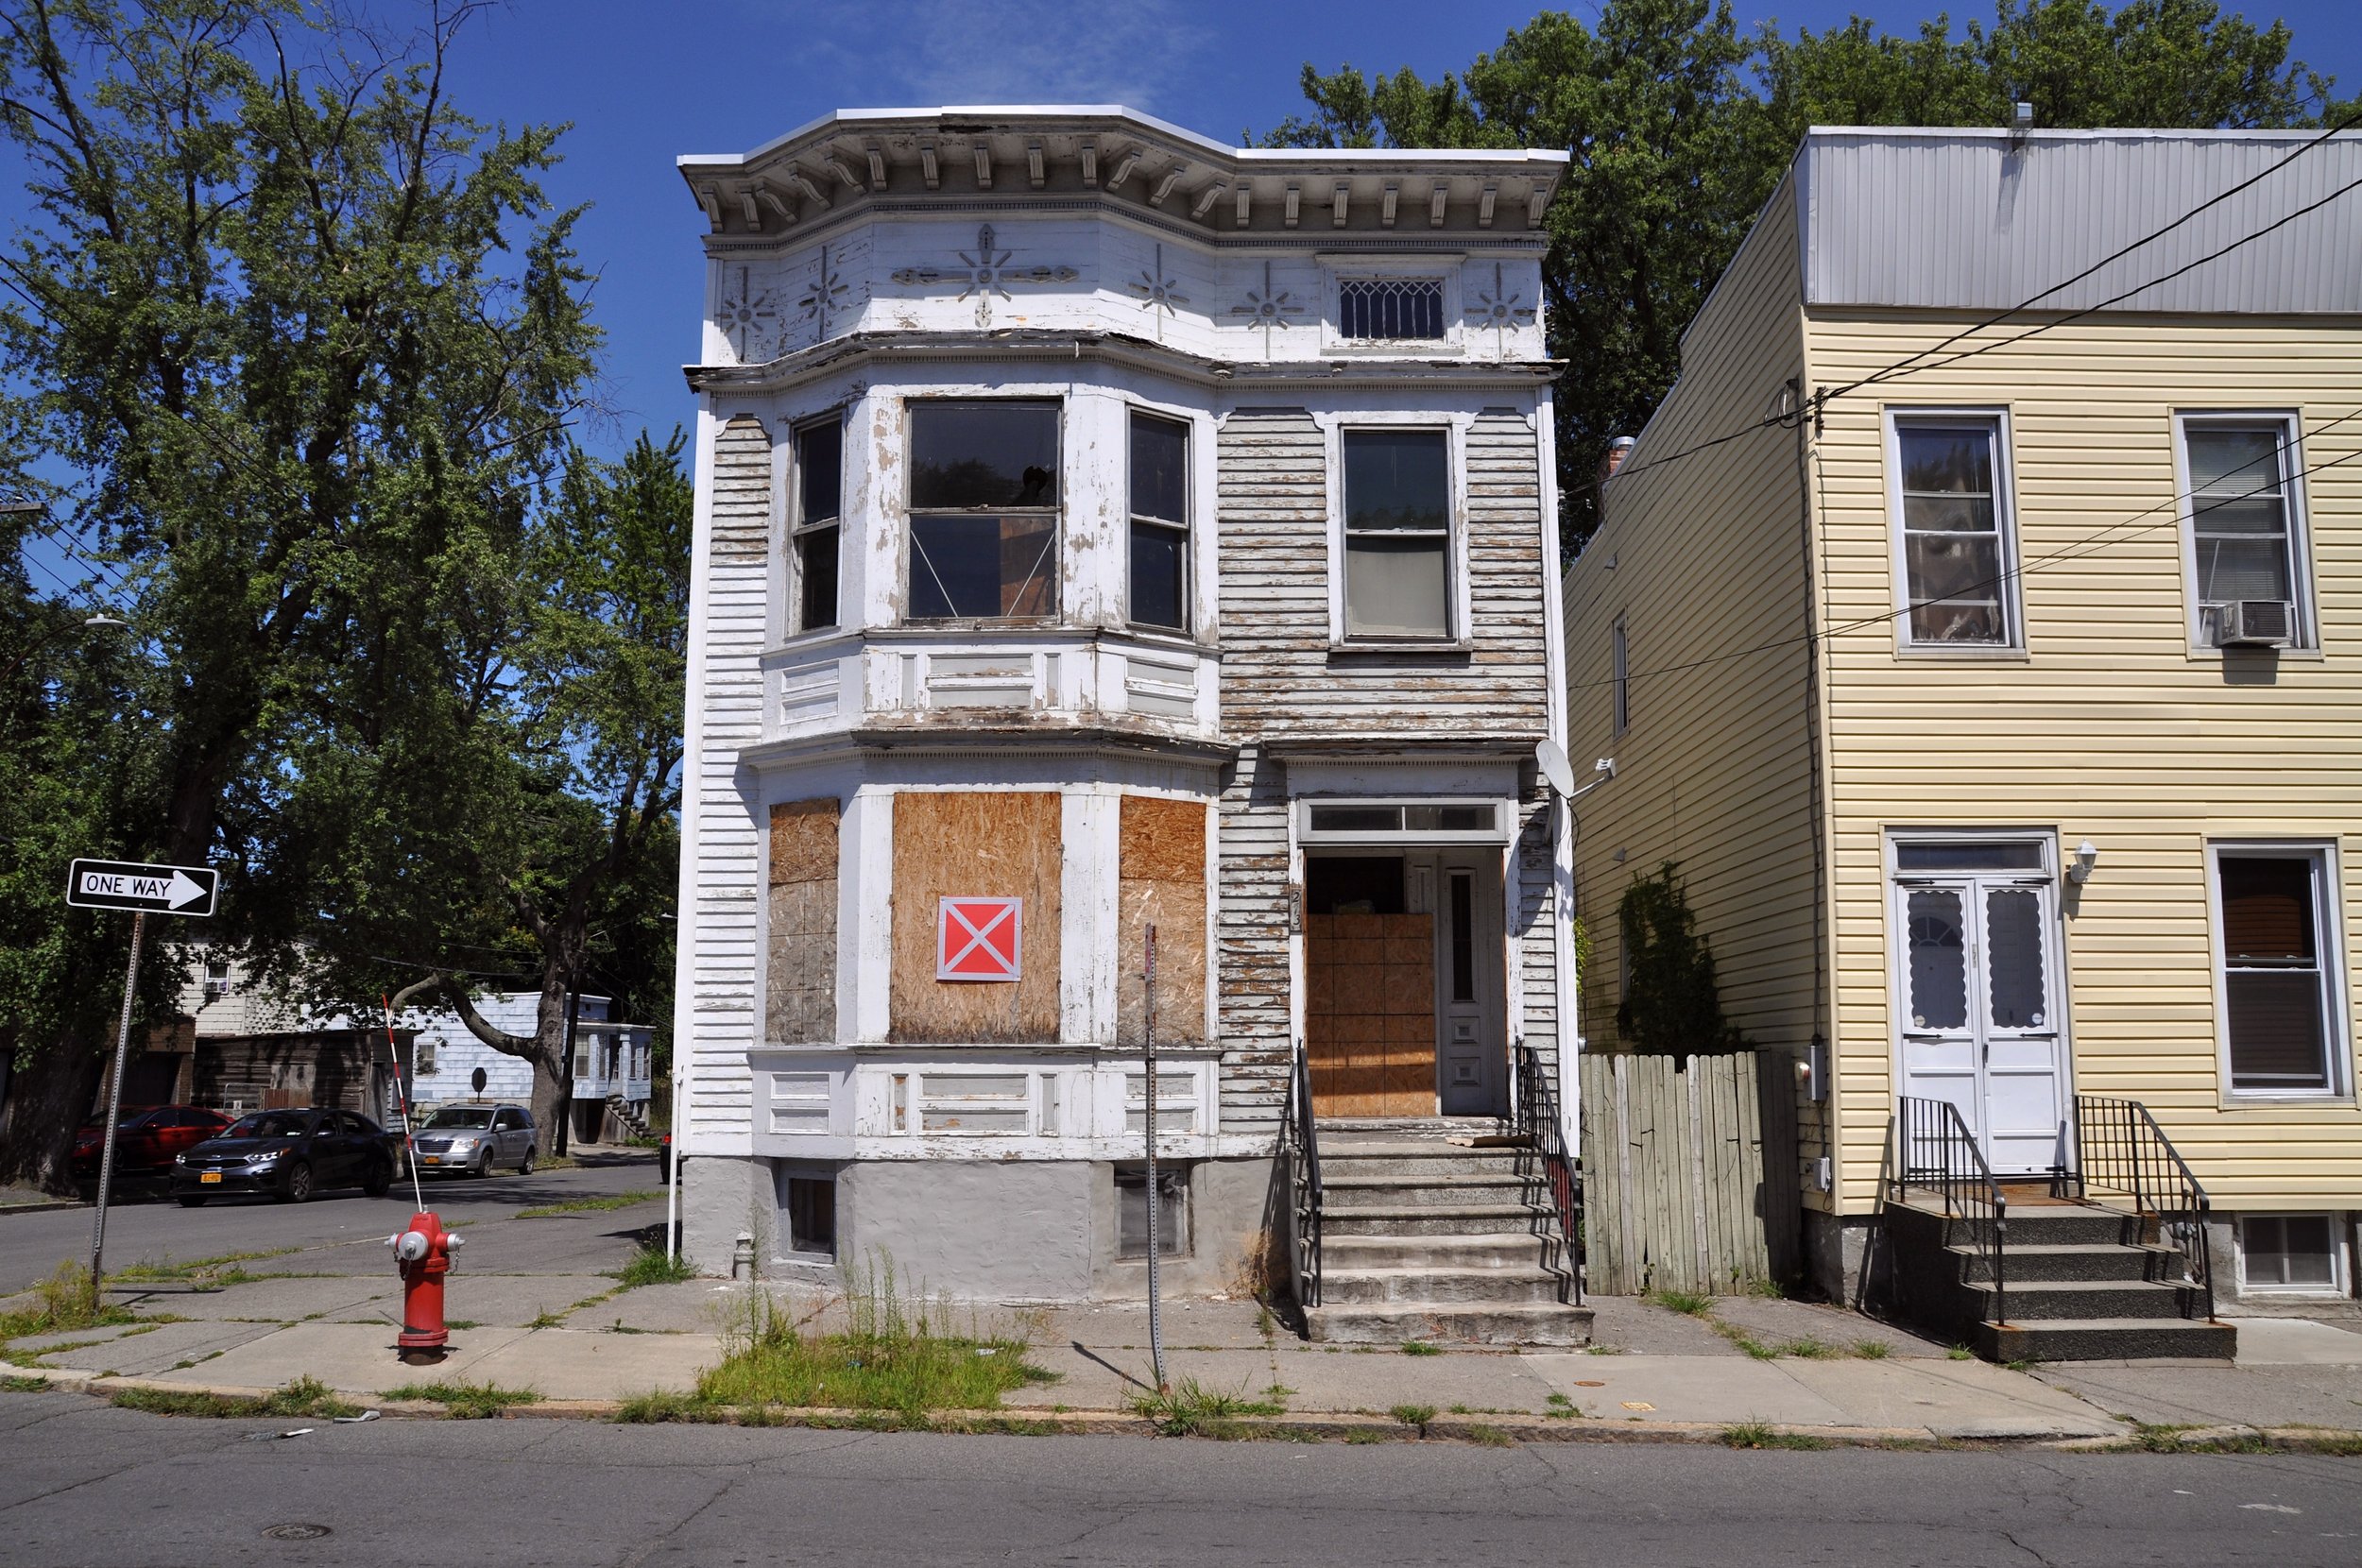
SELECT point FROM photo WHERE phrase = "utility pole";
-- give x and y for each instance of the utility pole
(1155, 1190)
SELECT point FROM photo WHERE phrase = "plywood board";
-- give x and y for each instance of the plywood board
(800, 971)
(1161, 881)
(982, 843)
(1370, 1019)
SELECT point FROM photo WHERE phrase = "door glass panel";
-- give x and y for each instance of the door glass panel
(2014, 954)
(1939, 960)
(1463, 939)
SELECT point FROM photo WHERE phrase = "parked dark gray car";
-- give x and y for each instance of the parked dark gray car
(289, 1154)
(471, 1139)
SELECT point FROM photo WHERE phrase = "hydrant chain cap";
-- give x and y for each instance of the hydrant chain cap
(412, 1245)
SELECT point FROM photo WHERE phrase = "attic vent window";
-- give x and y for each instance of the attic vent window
(1381, 309)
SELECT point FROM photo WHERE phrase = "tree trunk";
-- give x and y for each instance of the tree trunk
(48, 1101)
(552, 1096)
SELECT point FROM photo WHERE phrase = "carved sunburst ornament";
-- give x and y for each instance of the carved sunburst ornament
(1268, 308)
(827, 295)
(1158, 293)
(986, 274)
(745, 318)
(1500, 310)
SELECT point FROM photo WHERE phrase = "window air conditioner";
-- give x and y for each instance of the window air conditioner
(2258, 623)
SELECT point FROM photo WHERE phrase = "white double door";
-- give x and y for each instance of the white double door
(1981, 1010)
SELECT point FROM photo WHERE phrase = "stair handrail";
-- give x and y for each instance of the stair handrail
(1534, 1121)
(1301, 1143)
(2119, 1148)
(1935, 1152)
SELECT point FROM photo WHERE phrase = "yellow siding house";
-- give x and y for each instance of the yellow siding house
(1978, 624)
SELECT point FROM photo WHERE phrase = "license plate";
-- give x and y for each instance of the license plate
(208, 1177)
(430, 1159)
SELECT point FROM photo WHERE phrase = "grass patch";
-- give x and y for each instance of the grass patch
(1602, 1350)
(654, 1266)
(1420, 1347)
(588, 1205)
(1761, 1434)
(465, 1401)
(223, 1269)
(1490, 1437)
(654, 1408)
(1959, 1352)
(1414, 1415)
(61, 1303)
(1194, 1410)
(1688, 1304)
(24, 1384)
(305, 1397)
(893, 1354)
(1559, 1407)
(1873, 1350)
(1809, 1349)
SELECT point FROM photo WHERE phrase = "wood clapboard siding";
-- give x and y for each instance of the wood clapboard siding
(1280, 677)
(725, 954)
(1702, 558)
(1534, 930)
(2107, 728)
(1251, 948)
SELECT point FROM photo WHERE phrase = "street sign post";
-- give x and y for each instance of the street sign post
(144, 890)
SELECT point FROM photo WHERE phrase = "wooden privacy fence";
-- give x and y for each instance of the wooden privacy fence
(1689, 1176)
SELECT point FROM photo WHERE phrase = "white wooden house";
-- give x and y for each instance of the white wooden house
(1102, 528)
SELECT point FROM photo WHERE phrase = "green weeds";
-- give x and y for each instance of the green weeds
(1762, 1434)
(1688, 1304)
(653, 1265)
(1193, 1410)
(1420, 1347)
(305, 1397)
(590, 1206)
(465, 1401)
(1414, 1415)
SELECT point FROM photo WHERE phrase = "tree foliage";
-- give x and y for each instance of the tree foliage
(1679, 127)
(1672, 999)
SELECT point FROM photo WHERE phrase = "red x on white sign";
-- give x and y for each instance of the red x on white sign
(977, 939)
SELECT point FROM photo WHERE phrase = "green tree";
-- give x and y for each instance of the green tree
(1679, 128)
(310, 338)
(1672, 1000)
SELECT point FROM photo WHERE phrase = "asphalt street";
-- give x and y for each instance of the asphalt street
(82, 1483)
(339, 1230)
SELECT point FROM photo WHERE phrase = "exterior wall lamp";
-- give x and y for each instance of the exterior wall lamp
(2086, 856)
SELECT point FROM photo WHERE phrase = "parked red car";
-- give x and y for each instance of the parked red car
(146, 1141)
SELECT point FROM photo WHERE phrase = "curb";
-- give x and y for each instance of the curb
(51, 1206)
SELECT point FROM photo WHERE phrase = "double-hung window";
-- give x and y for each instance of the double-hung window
(2244, 532)
(1160, 589)
(1619, 679)
(1957, 560)
(813, 535)
(2279, 968)
(983, 511)
(1397, 534)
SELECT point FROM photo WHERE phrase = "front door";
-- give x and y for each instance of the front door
(1980, 1015)
(1468, 986)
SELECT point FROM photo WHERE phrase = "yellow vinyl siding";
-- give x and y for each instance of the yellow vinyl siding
(1714, 771)
(2108, 727)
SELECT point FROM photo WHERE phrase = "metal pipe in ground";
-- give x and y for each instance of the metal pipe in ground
(115, 1112)
(1156, 1193)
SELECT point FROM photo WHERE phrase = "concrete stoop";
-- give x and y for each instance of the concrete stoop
(1422, 1239)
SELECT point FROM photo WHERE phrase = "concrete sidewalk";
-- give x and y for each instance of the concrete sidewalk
(582, 1336)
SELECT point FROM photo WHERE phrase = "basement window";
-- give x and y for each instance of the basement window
(810, 1230)
(2289, 1251)
(984, 510)
(1172, 1211)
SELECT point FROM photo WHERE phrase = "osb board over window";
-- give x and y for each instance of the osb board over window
(1369, 1013)
(982, 843)
(801, 989)
(1161, 881)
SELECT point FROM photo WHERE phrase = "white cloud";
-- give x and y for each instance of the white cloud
(918, 53)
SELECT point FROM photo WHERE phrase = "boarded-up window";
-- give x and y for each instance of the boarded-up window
(1161, 867)
(979, 844)
(800, 993)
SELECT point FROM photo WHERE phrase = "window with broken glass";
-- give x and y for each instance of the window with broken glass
(1160, 522)
(984, 508)
(1397, 534)
(819, 513)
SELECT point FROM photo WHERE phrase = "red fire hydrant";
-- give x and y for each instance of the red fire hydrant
(423, 1253)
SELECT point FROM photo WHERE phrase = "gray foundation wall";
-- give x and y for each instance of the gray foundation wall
(1014, 1231)
(1836, 1248)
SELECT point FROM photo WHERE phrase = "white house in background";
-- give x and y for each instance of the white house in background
(1102, 528)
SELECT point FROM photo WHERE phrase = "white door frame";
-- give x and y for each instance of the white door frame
(1472, 1037)
(1972, 1058)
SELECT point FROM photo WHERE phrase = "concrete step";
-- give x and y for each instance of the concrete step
(1430, 1218)
(1423, 1191)
(1539, 1323)
(2061, 1225)
(1483, 1249)
(2079, 1299)
(2073, 1261)
(1424, 1287)
(2106, 1340)
(1418, 1161)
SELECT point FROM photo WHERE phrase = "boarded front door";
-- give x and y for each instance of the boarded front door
(1369, 1017)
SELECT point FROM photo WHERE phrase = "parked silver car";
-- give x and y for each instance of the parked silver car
(475, 1138)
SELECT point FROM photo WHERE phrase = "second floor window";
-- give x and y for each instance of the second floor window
(819, 513)
(2244, 540)
(1159, 593)
(1958, 562)
(1385, 309)
(1397, 534)
(984, 508)
(1619, 679)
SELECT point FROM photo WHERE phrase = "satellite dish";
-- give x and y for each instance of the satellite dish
(1551, 757)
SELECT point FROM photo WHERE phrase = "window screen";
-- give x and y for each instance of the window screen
(1172, 1211)
(1160, 522)
(983, 511)
(2239, 518)
(1397, 534)
(819, 511)
(1385, 308)
(2290, 1250)
(2274, 984)
(1955, 550)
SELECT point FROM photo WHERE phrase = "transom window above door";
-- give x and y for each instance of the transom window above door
(1956, 552)
(983, 511)
(1397, 534)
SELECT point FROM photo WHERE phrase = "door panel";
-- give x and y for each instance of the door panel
(1369, 1030)
(1470, 1044)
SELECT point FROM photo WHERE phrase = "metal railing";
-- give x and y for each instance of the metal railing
(1534, 1121)
(2118, 1151)
(1935, 1152)
(1301, 1148)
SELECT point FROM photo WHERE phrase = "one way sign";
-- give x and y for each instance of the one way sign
(159, 889)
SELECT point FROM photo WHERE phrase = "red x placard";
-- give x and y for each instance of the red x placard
(978, 939)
